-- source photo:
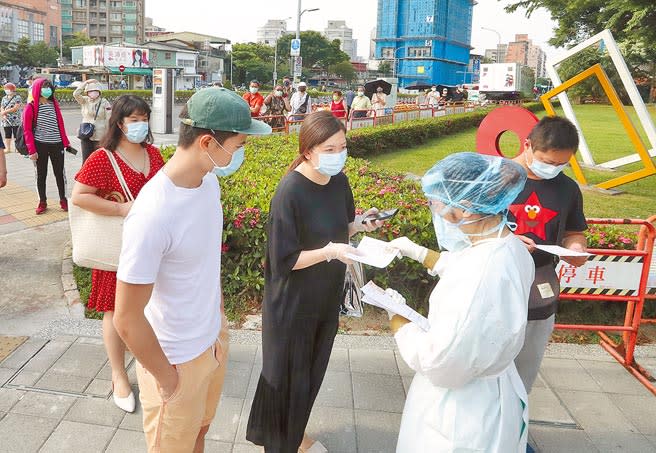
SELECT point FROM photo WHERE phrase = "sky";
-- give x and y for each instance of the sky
(238, 21)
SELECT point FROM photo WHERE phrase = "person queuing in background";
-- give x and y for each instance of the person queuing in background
(169, 303)
(277, 107)
(311, 218)
(11, 111)
(287, 87)
(466, 395)
(254, 99)
(361, 104)
(97, 189)
(433, 97)
(338, 105)
(95, 110)
(379, 101)
(548, 211)
(45, 138)
(349, 96)
(301, 103)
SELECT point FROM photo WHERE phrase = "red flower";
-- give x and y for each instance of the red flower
(225, 248)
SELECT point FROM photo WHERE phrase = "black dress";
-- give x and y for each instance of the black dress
(300, 309)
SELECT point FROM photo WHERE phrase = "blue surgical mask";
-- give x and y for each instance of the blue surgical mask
(137, 132)
(331, 164)
(544, 170)
(46, 92)
(236, 161)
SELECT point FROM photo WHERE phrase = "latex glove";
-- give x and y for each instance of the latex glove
(339, 252)
(396, 297)
(370, 225)
(409, 249)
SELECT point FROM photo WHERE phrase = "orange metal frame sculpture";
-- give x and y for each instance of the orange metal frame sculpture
(596, 70)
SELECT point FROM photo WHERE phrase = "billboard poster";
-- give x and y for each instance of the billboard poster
(116, 56)
(499, 77)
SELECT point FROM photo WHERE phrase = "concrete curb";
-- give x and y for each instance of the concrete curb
(71, 293)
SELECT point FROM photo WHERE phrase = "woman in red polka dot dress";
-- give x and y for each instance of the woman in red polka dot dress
(97, 189)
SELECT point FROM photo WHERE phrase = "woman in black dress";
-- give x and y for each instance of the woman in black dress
(311, 219)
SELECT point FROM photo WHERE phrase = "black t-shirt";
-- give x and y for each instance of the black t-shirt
(305, 216)
(545, 210)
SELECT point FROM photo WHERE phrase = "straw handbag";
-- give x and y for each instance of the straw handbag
(97, 238)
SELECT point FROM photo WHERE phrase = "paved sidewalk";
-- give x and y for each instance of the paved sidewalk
(55, 397)
(18, 199)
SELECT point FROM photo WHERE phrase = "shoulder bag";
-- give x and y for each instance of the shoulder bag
(19, 143)
(87, 129)
(97, 238)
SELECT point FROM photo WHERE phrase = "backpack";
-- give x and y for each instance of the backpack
(19, 142)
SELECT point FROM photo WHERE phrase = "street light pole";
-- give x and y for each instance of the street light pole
(498, 41)
(298, 23)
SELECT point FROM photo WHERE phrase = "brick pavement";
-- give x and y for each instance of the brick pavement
(55, 396)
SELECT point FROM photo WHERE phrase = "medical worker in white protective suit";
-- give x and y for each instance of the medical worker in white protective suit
(466, 395)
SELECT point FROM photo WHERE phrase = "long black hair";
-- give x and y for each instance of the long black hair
(123, 107)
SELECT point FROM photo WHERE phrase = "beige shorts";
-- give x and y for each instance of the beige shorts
(173, 425)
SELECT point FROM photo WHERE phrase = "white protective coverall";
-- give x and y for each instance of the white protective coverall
(466, 395)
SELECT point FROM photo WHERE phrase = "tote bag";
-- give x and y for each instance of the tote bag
(97, 238)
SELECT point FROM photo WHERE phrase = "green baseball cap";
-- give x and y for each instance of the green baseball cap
(220, 109)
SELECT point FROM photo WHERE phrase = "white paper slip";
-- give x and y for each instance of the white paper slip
(374, 252)
(560, 251)
(375, 295)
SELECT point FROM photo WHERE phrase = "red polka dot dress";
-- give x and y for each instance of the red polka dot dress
(97, 172)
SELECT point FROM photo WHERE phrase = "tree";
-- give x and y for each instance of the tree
(26, 56)
(344, 69)
(252, 61)
(316, 50)
(633, 24)
(78, 39)
(42, 55)
(385, 68)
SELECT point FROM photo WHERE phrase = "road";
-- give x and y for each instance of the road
(73, 117)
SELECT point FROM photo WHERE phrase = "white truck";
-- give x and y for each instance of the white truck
(504, 81)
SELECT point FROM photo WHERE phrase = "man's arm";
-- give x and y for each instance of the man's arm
(135, 330)
(575, 240)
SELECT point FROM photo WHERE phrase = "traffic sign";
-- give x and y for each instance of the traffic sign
(295, 50)
(298, 66)
(121, 68)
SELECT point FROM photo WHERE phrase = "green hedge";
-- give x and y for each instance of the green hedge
(65, 95)
(381, 139)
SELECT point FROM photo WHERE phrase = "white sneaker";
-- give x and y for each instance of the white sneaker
(128, 404)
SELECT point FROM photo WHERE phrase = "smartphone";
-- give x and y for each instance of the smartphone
(382, 215)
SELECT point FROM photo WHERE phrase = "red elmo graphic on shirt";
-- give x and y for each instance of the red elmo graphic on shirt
(532, 217)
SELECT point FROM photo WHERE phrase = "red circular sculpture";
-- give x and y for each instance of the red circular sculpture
(500, 120)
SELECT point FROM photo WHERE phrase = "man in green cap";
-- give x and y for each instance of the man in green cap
(169, 308)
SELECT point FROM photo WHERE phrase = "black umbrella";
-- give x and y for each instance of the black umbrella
(371, 87)
(419, 86)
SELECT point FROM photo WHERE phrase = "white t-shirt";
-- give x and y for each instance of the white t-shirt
(172, 238)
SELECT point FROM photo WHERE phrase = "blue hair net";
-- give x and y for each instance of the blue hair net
(475, 182)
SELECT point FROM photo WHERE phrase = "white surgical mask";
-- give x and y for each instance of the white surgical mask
(278, 93)
(544, 170)
(253, 90)
(360, 93)
(93, 94)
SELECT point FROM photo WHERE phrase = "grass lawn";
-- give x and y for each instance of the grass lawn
(605, 137)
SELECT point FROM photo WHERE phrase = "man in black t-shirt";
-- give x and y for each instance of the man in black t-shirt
(548, 211)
